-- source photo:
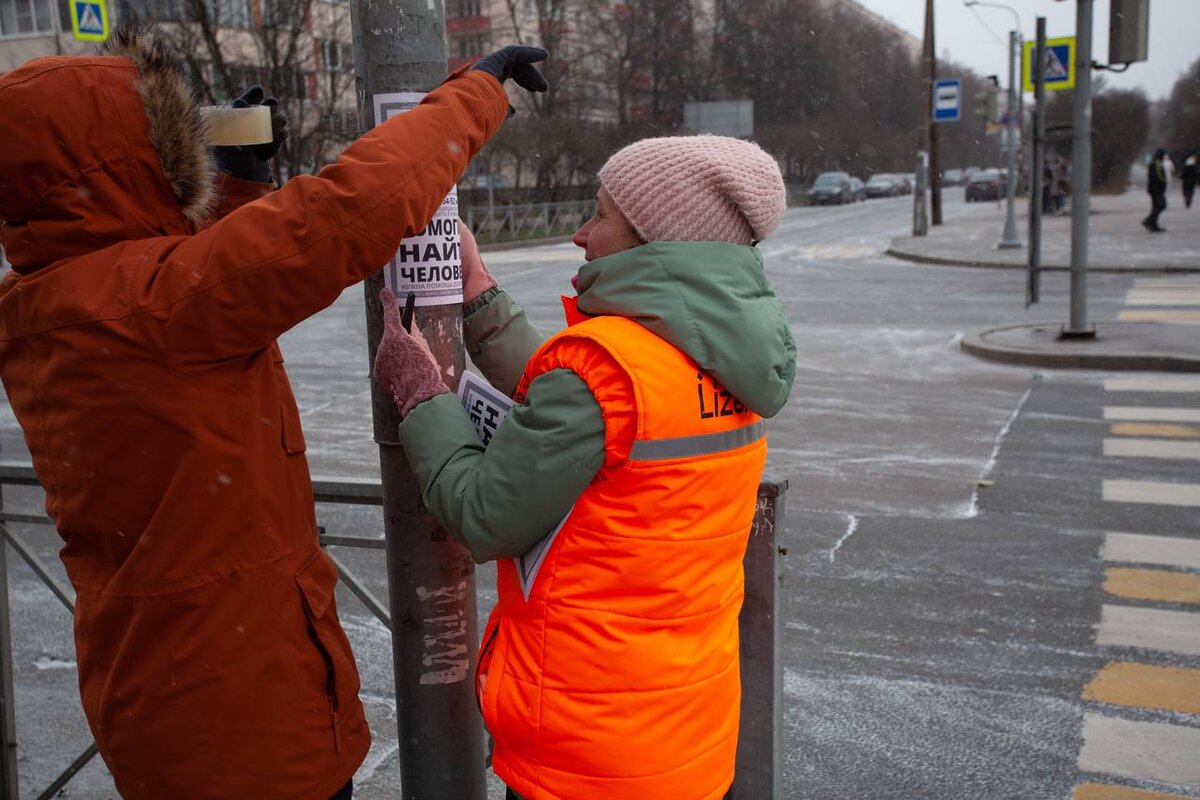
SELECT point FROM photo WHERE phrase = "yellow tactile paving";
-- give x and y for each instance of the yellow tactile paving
(1098, 791)
(1159, 429)
(1152, 584)
(1122, 683)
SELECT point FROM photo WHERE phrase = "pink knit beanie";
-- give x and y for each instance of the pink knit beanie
(696, 189)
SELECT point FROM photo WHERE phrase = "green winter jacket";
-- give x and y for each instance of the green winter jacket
(711, 300)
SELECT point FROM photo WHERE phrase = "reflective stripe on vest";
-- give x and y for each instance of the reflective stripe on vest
(703, 444)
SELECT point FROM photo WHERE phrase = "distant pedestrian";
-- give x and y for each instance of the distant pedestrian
(610, 668)
(1156, 187)
(1062, 183)
(1188, 178)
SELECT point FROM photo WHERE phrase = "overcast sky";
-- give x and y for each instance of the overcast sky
(1174, 35)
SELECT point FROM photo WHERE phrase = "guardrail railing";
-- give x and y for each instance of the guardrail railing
(759, 758)
(500, 222)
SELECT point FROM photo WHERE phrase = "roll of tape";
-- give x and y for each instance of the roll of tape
(225, 125)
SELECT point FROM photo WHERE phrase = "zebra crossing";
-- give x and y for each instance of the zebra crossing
(1141, 725)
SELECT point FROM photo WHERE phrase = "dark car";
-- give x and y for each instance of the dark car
(984, 185)
(831, 187)
(881, 185)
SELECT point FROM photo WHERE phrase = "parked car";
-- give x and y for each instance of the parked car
(906, 185)
(984, 185)
(883, 185)
(952, 177)
(858, 191)
(831, 187)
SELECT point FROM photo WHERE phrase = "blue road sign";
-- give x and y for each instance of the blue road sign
(947, 100)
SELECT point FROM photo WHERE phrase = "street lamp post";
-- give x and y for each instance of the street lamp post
(1009, 240)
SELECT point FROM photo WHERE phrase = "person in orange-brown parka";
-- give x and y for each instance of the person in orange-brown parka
(618, 494)
(137, 348)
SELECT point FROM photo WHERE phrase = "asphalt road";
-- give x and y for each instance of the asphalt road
(945, 520)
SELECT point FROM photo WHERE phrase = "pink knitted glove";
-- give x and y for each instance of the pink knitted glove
(403, 364)
(476, 278)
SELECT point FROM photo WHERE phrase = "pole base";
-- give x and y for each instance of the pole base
(1006, 245)
(1082, 334)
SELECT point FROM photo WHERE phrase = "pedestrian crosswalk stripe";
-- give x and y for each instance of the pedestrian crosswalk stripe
(1157, 297)
(1152, 584)
(1150, 629)
(1122, 683)
(1152, 385)
(1150, 751)
(1136, 548)
(1106, 791)
(1159, 429)
(1152, 414)
(1151, 448)
(1152, 493)
(1160, 315)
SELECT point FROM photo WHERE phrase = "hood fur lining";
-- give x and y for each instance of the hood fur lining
(176, 127)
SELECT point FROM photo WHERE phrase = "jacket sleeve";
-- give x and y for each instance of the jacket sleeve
(233, 193)
(499, 338)
(501, 500)
(234, 287)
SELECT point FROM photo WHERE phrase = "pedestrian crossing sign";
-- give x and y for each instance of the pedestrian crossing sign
(1059, 58)
(89, 20)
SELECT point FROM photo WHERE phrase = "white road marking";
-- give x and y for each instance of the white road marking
(1155, 297)
(1168, 551)
(1151, 448)
(1149, 629)
(1150, 751)
(1152, 492)
(1152, 385)
(1152, 414)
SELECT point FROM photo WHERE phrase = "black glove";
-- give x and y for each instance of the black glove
(516, 62)
(249, 162)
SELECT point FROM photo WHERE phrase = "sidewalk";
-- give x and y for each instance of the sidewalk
(1117, 241)
(1161, 332)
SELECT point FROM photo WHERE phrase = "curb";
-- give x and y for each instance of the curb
(975, 344)
(951, 262)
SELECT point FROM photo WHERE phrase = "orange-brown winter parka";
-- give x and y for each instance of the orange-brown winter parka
(137, 348)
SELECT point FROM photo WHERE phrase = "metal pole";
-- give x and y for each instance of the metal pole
(925, 123)
(9, 786)
(1081, 176)
(758, 773)
(400, 46)
(935, 169)
(1010, 240)
(1033, 276)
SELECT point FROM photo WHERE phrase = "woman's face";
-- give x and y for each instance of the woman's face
(607, 232)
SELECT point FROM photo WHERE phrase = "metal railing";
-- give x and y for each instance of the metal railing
(759, 757)
(501, 222)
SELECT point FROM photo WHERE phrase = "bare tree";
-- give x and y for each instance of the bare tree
(298, 50)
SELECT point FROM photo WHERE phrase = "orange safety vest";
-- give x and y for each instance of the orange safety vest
(618, 677)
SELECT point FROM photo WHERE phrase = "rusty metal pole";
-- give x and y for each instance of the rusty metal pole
(400, 46)
(935, 161)
(759, 768)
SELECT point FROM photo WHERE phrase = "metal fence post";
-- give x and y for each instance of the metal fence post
(9, 786)
(758, 774)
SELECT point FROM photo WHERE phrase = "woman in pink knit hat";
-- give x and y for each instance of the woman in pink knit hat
(619, 493)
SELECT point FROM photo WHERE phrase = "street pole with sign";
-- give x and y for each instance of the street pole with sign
(400, 52)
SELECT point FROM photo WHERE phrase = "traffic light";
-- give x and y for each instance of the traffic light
(987, 102)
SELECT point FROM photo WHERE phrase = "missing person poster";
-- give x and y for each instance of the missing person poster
(429, 264)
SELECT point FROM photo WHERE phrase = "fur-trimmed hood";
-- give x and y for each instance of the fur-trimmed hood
(99, 150)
